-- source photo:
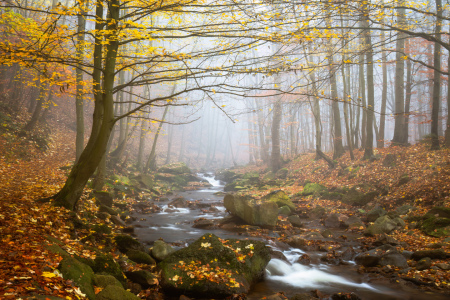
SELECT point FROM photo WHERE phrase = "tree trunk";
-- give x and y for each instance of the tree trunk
(436, 81)
(399, 88)
(81, 26)
(37, 109)
(151, 162)
(368, 147)
(447, 131)
(408, 94)
(381, 137)
(103, 119)
(275, 159)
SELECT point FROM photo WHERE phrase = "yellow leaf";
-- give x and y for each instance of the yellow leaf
(49, 274)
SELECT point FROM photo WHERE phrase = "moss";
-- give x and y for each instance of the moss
(101, 228)
(105, 280)
(106, 265)
(81, 274)
(313, 188)
(210, 252)
(281, 199)
(125, 243)
(175, 168)
(437, 227)
(112, 292)
(140, 257)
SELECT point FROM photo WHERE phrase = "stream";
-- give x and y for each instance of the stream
(175, 226)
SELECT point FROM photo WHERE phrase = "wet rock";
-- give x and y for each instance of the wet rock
(386, 239)
(253, 212)
(278, 255)
(394, 260)
(112, 292)
(327, 233)
(303, 296)
(296, 242)
(407, 254)
(332, 221)
(104, 198)
(423, 264)
(405, 209)
(348, 254)
(433, 254)
(345, 296)
(118, 221)
(375, 213)
(128, 229)
(241, 264)
(161, 250)
(383, 224)
(277, 296)
(203, 223)
(295, 221)
(179, 202)
(443, 266)
(144, 278)
(140, 257)
(125, 243)
(318, 211)
(372, 258)
(352, 222)
(284, 210)
(304, 260)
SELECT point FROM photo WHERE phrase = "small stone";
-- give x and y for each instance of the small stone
(304, 260)
(443, 266)
(118, 221)
(423, 264)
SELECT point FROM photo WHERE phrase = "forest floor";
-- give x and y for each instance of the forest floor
(29, 172)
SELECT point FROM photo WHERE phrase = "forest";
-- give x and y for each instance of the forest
(307, 142)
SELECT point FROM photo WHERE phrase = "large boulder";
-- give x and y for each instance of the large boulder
(161, 250)
(280, 198)
(211, 266)
(81, 274)
(355, 197)
(313, 189)
(125, 243)
(175, 168)
(113, 292)
(436, 222)
(253, 212)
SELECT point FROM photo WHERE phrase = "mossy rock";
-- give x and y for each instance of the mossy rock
(140, 257)
(236, 185)
(355, 197)
(109, 210)
(144, 278)
(106, 265)
(119, 179)
(439, 211)
(284, 210)
(435, 226)
(192, 270)
(113, 292)
(226, 175)
(313, 189)
(282, 173)
(81, 274)
(175, 168)
(101, 228)
(161, 250)
(104, 198)
(125, 243)
(280, 198)
(332, 195)
(105, 280)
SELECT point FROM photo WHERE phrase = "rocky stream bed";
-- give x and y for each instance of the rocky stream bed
(312, 255)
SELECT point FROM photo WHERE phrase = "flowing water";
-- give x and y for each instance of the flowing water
(175, 226)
